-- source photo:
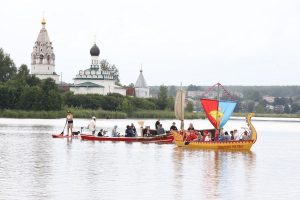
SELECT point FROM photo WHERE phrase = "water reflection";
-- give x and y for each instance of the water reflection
(212, 174)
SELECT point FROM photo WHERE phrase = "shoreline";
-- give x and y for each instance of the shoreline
(142, 114)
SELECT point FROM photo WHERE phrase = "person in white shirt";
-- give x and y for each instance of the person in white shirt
(92, 125)
(114, 132)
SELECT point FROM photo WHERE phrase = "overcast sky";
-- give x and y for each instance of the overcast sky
(200, 42)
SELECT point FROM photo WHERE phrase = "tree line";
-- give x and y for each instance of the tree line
(21, 90)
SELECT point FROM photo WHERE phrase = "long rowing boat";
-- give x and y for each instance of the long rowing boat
(155, 139)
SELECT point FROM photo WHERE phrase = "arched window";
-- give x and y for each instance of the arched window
(41, 59)
(48, 59)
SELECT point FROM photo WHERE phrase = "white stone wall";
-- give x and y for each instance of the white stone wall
(108, 85)
(42, 69)
(120, 91)
(142, 92)
(45, 76)
(87, 90)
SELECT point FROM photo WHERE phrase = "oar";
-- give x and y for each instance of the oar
(64, 129)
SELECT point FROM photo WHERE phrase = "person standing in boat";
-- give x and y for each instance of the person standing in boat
(173, 127)
(157, 123)
(92, 125)
(69, 121)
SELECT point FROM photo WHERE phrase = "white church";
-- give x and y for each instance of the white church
(94, 80)
(43, 57)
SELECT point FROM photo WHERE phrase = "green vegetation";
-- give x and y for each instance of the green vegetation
(22, 95)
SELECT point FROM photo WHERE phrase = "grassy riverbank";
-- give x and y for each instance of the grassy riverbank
(141, 114)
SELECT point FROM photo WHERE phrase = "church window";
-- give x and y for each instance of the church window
(41, 59)
(48, 59)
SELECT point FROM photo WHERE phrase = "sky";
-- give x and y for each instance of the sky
(199, 42)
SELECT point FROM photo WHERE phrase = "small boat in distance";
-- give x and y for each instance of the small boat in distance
(218, 113)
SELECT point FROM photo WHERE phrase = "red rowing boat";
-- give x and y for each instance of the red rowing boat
(63, 136)
(155, 139)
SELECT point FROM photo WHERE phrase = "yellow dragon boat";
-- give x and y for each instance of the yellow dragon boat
(218, 112)
(220, 145)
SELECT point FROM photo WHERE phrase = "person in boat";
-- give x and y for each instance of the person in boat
(208, 137)
(69, 121)
(191, 136)
(231, 135)
(245, 136)
(160, 130)
(114, 132)
(191, 127)
(133, 129)
(173, 127)
(129, 131)
(227, 136)
(157, 123)
(236, 135)
(92, 125)
(221, 135)
(100, 133)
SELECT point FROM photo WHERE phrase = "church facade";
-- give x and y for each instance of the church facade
(43, 57)
(94, 80)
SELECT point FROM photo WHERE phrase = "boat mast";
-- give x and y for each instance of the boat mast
(181, 108)
(217, 117)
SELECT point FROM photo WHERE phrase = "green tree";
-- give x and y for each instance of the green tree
(295, 107)
(31, 98)
(162, 97)
(105, 65)
(170, 103)
(7, 67)
(253, 95)
(7, 97)
(189, 107)
(125, 106)
(260, 108)
(172, 91)
(287, 108)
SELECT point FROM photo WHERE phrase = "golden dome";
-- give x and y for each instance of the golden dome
(43, 21)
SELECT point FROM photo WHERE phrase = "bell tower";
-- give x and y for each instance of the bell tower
(43, 57)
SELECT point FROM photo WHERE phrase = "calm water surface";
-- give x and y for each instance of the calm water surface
(35, 166)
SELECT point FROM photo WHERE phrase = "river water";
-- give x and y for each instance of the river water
(35, 166)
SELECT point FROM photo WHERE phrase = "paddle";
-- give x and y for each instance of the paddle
(64, 128)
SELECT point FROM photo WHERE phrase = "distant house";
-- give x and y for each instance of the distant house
(270, 107)
(269, 99)
(279, 108)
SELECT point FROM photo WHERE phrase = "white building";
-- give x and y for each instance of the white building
(141, 89)
(94, 80)
(43, 57)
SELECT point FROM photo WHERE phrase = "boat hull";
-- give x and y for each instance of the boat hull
(158, 139)
(64, 136)
(228, 145)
